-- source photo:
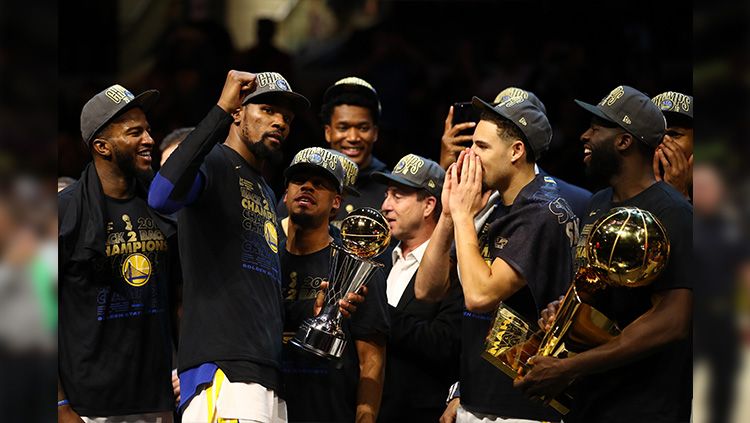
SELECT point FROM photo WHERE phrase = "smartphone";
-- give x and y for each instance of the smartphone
(465, 112)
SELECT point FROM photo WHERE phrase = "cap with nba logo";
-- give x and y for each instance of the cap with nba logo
(319, 161)
(415, 172)
(633, 111)
(270, 86)
(672, 102)
(104, 107)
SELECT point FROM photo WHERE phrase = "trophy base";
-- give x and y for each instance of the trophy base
(315, 337)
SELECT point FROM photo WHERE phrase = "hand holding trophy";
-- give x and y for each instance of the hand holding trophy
(365, 234)
(627, 247)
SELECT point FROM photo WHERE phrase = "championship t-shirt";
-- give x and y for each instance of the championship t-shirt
(115, 350)
(318, 389)
(232, 310)
(657, 388)
(535, 235)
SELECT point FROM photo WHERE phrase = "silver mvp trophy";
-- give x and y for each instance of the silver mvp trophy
(365, 234)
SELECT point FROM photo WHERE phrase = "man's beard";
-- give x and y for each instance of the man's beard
(305, 220)
(604, 162)
(126, 163)
(260, 150)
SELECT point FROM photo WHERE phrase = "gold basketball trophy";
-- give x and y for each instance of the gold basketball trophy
(627, 247)
(365, 234)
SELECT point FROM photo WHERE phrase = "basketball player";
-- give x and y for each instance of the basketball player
(114, 273)
(648, 367)
(317, 389)
(230, 340)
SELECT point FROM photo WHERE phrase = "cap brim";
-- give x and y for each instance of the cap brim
(595, 111)
(145, 101)
(311, 168)
(679, 115)
(482, 106)
(298, 102)
(386, 178)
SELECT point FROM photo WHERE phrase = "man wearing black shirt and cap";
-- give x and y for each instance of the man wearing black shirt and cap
(520, 256)
(230, 340)
(114, 332)
(645, 373)
(231, 329)
(318, 389)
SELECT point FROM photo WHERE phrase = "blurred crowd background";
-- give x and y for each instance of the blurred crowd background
(421, 56)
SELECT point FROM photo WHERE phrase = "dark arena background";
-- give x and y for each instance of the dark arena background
(421, 56)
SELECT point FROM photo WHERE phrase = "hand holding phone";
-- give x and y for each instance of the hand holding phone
(458, 131)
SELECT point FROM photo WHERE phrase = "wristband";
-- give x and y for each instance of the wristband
(62, 402)
(453, 392)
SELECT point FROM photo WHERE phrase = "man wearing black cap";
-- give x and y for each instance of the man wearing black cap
(350, 114)
(114, 332)
(520, 256)
(317, 389)
(673, 160)
(452, 145)
(645, 373)
(423, 348)
(230, 340)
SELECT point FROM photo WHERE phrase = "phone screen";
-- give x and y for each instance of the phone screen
(465, 112)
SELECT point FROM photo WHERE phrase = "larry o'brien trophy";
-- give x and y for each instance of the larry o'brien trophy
(627, 247)
(365, 234)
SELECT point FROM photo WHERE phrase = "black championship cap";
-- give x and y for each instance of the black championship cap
(269, 85)
(104, 107)
(351, 169)
(672, 102)
(526, 116)
(352, 84)
(633, 111)
(415, 172)
(320, 161)
(509, 92)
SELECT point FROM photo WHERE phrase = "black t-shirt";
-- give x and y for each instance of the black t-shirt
(232, 309)
(535, 236)
(318, 389)
(657, 388)
(114, 340)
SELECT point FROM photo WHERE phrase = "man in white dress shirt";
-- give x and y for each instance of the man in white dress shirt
(422, 352)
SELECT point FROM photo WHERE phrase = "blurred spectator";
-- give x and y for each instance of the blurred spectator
(63, 182)
(28, 307)
(171, 141)
(193, 57)
(720, 252)
(264, 55)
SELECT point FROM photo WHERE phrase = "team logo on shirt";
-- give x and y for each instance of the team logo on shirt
(269, 232)
(501, 242)
(136, 269)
